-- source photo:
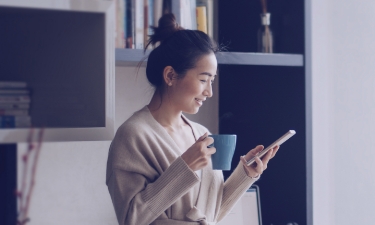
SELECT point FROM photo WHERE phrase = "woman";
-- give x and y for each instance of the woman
(159, 169)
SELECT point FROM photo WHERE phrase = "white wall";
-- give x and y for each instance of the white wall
(70, 184)
(343, 81)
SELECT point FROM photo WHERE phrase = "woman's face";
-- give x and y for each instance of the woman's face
(190, 92)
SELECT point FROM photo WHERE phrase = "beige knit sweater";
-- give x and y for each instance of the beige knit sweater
(149, 183)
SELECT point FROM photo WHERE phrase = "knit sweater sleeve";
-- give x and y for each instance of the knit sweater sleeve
(141, 193)
(234, 187)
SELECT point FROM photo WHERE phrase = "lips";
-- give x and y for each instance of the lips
(199, 101)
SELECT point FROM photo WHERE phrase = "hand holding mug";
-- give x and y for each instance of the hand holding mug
(199, 155)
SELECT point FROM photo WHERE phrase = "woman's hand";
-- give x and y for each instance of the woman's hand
(198, 155)
(257, 168)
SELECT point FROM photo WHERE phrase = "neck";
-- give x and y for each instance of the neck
(164, 112)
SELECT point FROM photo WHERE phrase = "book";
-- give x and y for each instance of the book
(120, 36)
(201, 19)
(185, 13)
(193, 14)
(15, 121)
(14, 91)
(14, 99)
(129, 39)
(148, 20)
(210, 18)
(12, 84)
(14, 106)
(158, 11)
(138, 21)
(209, 4)
(14, 112)
(167, 7)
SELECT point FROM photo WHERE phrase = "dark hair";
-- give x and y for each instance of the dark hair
(179, 48)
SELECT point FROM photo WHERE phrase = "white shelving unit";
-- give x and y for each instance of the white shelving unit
(132, 57)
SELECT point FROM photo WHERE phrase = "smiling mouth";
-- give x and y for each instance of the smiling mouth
(199, 101)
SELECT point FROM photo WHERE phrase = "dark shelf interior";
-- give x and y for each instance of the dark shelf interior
(61, 56)
(259, 104)
(8, 181)
(239, 22)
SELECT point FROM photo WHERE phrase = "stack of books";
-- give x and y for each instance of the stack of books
(135, 17)
(14, 105)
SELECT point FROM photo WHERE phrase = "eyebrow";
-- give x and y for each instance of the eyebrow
(208, 74)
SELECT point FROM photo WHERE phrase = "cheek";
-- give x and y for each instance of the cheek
(188, 90)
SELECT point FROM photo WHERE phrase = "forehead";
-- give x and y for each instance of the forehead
(208, 63)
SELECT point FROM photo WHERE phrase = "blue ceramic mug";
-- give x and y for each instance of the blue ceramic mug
(225, 145)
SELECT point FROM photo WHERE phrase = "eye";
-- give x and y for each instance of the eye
(203, 81)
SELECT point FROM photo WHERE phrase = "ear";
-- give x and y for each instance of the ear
(169, 75)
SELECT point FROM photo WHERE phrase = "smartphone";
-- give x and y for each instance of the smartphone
(279, 141)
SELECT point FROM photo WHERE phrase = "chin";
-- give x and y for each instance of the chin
(191, 111)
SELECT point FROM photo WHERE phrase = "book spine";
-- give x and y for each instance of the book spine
(139, 27)
(167, 6)
(117, 31)
(210, 18)
(185, 14)
(14, 91)
(150, 16)
(193, 14)
(14, 106)
(176, 10)
(133, 17)
(14, 112)
(121, 23)
(14, 99)
(11, 84)
(15, 121)
(124, 22)
(129, 24)
(158, 11)
(201, 19)
(145, 21)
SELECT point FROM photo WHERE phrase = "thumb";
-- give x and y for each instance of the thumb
(203, 137)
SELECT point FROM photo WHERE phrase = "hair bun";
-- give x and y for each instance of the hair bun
(167, 26)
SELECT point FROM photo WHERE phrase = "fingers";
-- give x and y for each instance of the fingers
(211, 151)
(208, 141)
(205, 141)
(201, 138)
(260, 166)
(275, 150)
(257, 149)
(254, 152)
(243, 160)
(267, 157)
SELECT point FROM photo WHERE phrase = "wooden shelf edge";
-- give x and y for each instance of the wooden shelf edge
(132, 57)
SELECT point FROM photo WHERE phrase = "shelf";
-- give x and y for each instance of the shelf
(132, 57)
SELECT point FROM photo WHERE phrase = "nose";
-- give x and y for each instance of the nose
(208, 91)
